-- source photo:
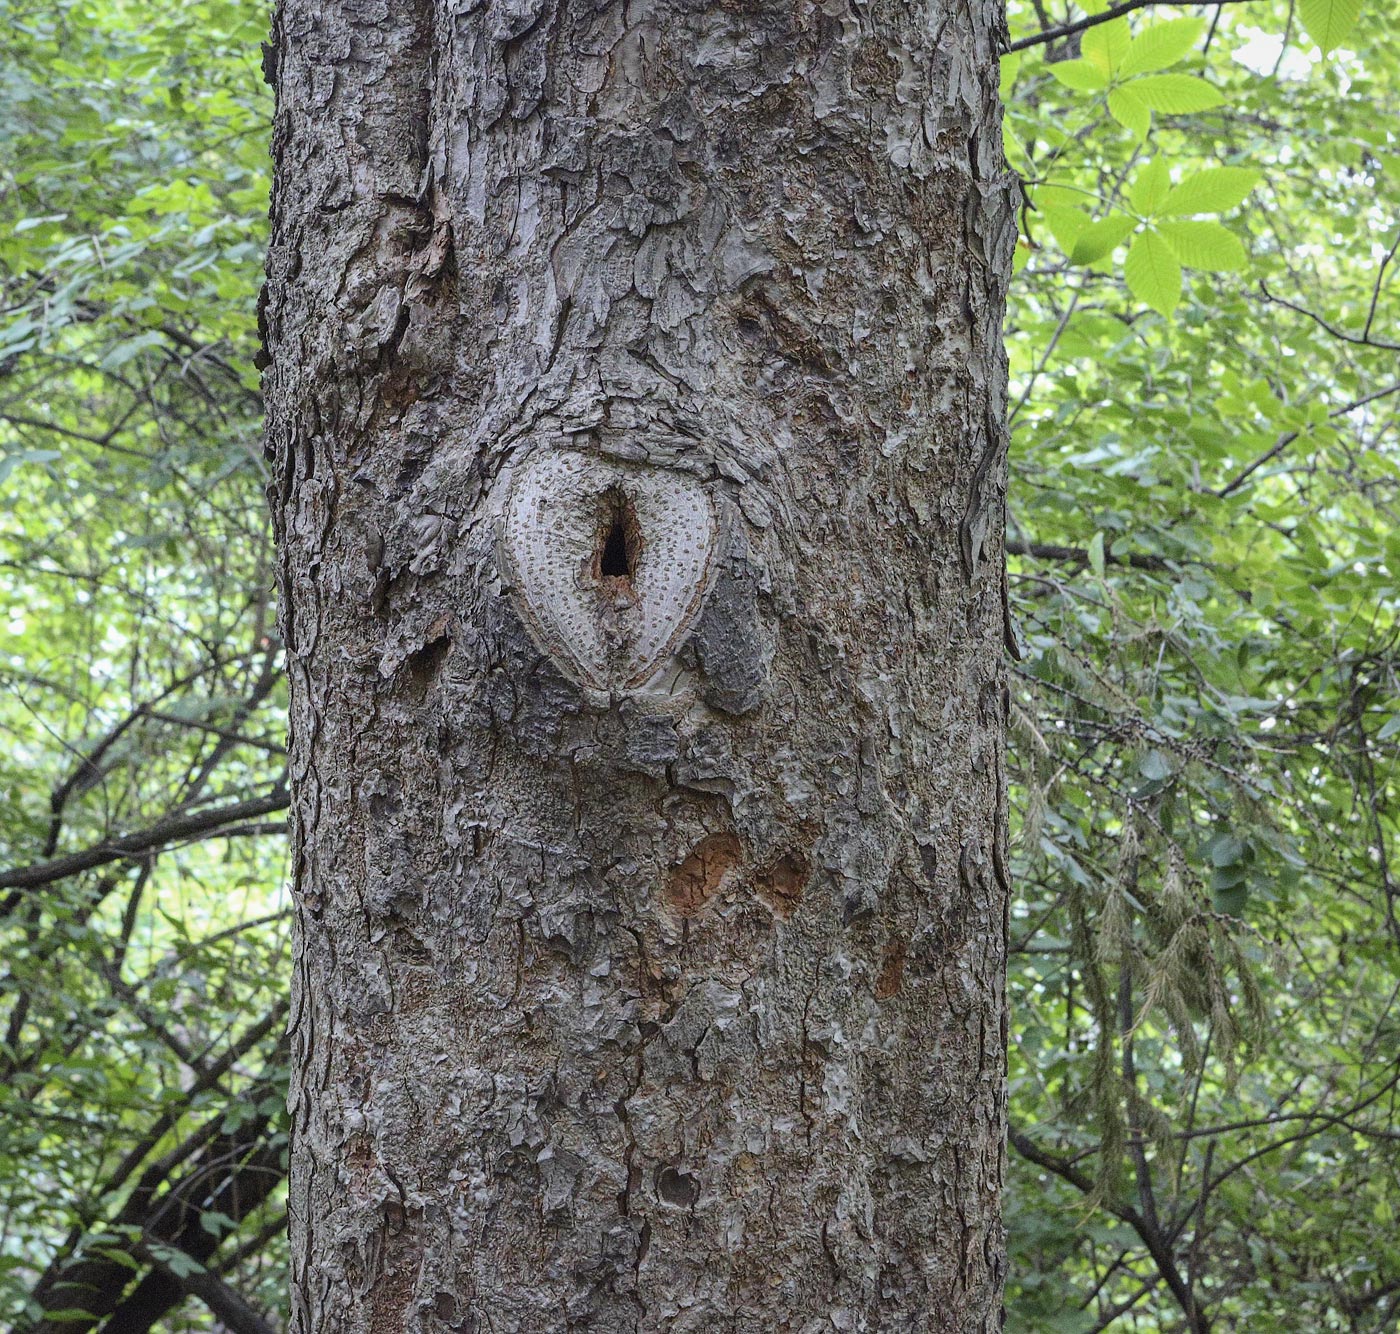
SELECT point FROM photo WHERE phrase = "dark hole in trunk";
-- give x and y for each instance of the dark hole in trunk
(619, 539)
(615, 560)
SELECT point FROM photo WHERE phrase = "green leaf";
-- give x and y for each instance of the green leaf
(216, 1223)
(1228, 877)
(1010, 67)
(1155, 766)
(128, 348)
(181, 1264)
(1328, 22)
(1225, 849)
(12, 461)
(1153, 273)
(1130, 111)
(1079, 75)
(26, 224)
(1066, 224)
(1105, 45)
(1096, 560)
(1150, 186)
(1161, 45)
(1176, 94)
(1203, 244)
(1101, 238)
(1231, 899)
(120, 1257)
(1214, 190)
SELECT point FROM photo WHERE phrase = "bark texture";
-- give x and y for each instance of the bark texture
(637, 414)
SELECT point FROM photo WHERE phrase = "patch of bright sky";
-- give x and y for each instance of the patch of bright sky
(1263, 53)
(1260, 52)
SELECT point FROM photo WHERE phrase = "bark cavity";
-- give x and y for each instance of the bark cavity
(677, 1187)
(619, 538)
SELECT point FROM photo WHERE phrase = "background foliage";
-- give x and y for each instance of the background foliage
(1206, 965)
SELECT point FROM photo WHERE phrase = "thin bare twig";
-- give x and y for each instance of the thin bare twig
(1358, 340)
(1288, 437)
(1093, 20)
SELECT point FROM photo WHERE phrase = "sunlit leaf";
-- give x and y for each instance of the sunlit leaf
(1150, 186)
(1329, 22)
(1175, 94)
(1100, 238)
(1153, 273)
(1213, 190)
(1161, 45)
(1105, 45)
(1080, 75)
(1204, 244)
(1129, 110)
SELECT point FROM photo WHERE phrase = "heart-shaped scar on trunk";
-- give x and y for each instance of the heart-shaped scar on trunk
(609, 562)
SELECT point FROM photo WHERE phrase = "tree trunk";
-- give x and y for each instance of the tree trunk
(637, 411)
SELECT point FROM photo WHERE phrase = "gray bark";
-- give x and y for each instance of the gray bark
(637, 410)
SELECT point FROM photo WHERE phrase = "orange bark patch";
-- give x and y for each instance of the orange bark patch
(782, 883)
(697, 879)
(391, 1297)
(891, 972)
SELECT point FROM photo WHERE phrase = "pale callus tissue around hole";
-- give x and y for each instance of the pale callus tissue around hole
(567, 562)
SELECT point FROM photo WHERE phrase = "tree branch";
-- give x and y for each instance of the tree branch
(1093, 20)
(1158, 1247)
(233, 1173)
(1137, 560)
(1288, 437)
(1362, 339)
(172, 829)
(1380, 282)
(226, 1304)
